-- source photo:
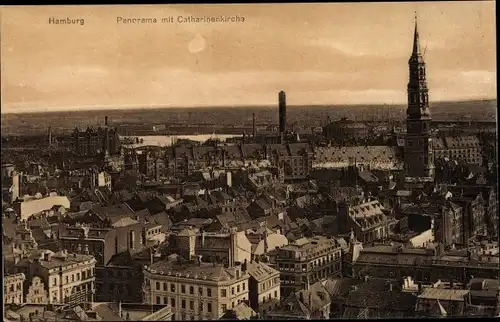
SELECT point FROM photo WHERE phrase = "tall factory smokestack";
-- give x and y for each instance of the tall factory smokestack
(282, 111)
(253, 126)
(106, 135)
(50, 136)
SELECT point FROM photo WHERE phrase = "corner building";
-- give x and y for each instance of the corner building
(195, 290)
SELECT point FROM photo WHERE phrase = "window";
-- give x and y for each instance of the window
(238, 289)
(209, 292)
(275, 294)
(157, 286)
(183, 304)
(232, 290)
(172, 302)
(158, 300)
(191, 305)
(200, 291)
(223, 307)
(165, 287)
(223, 293)
(209, 307)
(72, 277)
(191, 290)
(77, 276)
(243, 286)
(172, 288)
(183, 289)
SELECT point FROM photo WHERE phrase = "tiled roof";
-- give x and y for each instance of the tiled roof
(188, 269)
(106, 313)
(379, 157)
(443, 294)
(376, 293)
(60, 261)
(261, 271)
(240, 312)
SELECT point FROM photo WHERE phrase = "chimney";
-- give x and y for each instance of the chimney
(50, 135)
(254, 132)
(233, 246)
(282, 113)
(106, 135)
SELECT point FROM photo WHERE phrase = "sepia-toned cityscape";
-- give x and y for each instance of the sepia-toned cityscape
(249, 162)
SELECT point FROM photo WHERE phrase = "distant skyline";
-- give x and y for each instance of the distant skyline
(320, 54)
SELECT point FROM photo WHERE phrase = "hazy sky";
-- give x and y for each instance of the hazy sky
(318, 53)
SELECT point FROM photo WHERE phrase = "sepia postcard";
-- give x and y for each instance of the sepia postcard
(249, 161)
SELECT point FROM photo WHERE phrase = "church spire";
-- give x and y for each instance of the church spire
(416, 42)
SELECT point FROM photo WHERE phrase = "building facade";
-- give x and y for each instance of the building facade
(37, 292)
(459, 147)
(306, 261)
(195, 290)
(264, 287)
(95, 141)
(13, 286)
(68, 278)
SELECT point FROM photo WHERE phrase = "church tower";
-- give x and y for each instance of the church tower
(418, 152)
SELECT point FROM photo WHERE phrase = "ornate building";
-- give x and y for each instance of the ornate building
(418, 154)
(92, 142)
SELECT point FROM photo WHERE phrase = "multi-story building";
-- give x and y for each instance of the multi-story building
(13, 285)
(67, 278)
(264, 287)
(460, 147)
(423, 264)
(443, 217)
(307, 260)
(113, 282)
(369, 220)
(195, 290)
(474, 211)
(93, 142)
(227, 246)
(152, 163)
(23, 241)
(295, 159)
(363, 157)
(37, 292)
